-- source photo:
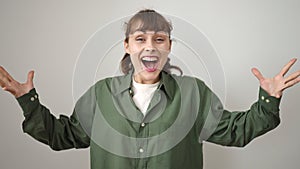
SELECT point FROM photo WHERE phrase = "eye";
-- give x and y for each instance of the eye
(160, 39)
(140, 39)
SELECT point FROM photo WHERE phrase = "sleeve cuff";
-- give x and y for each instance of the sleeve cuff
(29, 101)
(270, 103)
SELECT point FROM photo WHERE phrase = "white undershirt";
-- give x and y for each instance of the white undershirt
(142, 94)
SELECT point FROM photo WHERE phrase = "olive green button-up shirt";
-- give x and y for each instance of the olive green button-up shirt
(182, 114)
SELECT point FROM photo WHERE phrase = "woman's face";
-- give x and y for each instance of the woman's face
(148, 52)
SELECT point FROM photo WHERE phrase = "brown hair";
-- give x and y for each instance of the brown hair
(142, 21)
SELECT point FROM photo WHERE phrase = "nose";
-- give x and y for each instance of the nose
(150, 46)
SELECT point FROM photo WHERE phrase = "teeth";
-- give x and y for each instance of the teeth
(149, 59)
(150, 62)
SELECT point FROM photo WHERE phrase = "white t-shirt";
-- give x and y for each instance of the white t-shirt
(142, 94)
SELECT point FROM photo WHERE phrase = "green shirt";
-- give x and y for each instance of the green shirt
(182, 114)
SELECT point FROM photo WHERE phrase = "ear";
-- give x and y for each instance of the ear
(170, 45)
(126, 47)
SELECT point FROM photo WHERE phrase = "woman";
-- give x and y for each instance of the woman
(149, 118)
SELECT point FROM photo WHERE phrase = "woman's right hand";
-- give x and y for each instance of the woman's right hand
(14, 87)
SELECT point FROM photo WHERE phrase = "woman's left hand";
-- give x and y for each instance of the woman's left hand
(276, 85)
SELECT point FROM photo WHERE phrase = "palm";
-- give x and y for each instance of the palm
(14, 87)
(276, 85)
(273, 85)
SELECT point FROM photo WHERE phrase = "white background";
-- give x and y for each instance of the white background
(47, 36)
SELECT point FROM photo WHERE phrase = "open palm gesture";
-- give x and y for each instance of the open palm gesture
(276, 85)
(14, 87)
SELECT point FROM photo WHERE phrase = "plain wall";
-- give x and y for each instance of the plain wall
(47, 36)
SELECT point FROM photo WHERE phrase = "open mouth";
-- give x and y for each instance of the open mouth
(150, 63)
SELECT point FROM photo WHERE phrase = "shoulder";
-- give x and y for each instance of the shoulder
(108, 80)
(188, 80)
(113, 85)
(191, 83)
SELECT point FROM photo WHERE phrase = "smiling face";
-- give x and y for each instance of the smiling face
(147, 43)
(149, 52)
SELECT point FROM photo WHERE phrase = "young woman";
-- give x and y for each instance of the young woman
(149, 118)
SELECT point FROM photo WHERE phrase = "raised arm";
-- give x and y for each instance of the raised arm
(238, 128)
(59, 133)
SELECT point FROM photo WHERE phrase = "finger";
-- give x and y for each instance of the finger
(3, 78)
(6, 74)
(4, 81)
(30, 77)
(287, 67)
(292, 76)
(257, 74)
(292, 83)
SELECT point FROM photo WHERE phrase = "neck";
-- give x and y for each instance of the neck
(140, 80)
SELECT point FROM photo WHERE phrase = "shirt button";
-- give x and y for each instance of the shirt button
(262, 98)
(267, 100)
(36, 96)
(141, 150)
(143, 124)
(131, 92)
(32, 98)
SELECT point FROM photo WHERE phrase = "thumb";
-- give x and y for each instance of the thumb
(30, 78)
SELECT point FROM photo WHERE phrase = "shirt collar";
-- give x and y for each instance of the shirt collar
(121, 84)
(168, 84)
